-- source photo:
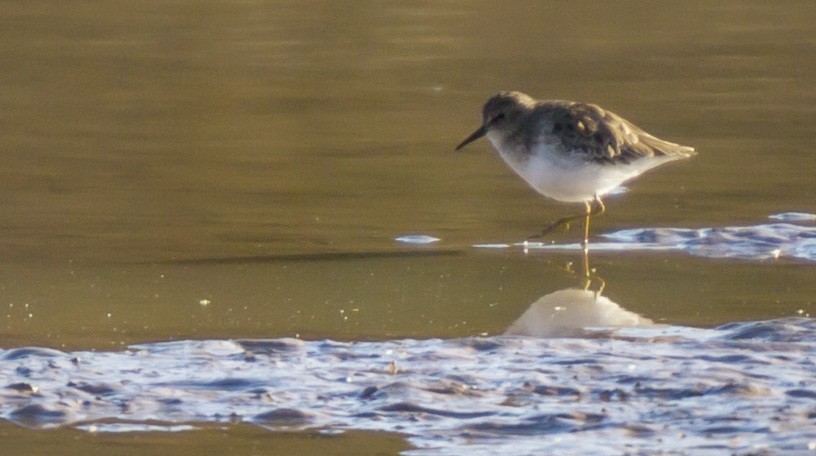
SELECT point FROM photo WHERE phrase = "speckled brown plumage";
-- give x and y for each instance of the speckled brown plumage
(577, 128)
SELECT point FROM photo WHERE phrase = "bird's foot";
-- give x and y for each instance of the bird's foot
(563, 223)
(594, 283)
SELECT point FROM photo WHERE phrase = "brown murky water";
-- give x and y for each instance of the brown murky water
(240, 170)
(235, 439)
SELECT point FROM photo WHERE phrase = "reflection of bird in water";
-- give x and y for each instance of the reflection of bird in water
(573, 313)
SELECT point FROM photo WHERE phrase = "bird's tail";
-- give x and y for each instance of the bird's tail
(667, 149)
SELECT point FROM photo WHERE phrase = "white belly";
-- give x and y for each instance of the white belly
(570, 178)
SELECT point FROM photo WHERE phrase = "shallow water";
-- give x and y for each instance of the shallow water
(757, 242)
(155, 132)
(740, 388)
(278, 171)
(233, 438)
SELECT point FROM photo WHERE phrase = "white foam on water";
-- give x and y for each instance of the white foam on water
(417, 239)
(793, 217)
(757, 242)
(733, 387)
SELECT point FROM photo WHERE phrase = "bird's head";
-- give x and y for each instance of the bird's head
(500, 116)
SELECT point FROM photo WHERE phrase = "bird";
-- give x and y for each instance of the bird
(570, 151)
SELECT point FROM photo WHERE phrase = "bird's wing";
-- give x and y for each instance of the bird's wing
(602, 136)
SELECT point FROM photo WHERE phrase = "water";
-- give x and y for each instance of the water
(758, 242)
(207, 174)
(736, 389)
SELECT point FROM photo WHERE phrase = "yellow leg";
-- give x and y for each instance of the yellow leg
(598, 209)
(585, 242)
(589, 281)
(562, 222)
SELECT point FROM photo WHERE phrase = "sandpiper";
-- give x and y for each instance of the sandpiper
(569, 151)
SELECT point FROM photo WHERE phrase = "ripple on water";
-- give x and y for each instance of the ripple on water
(746, 242)
(659, 389)
(757, 242)
(793, 217)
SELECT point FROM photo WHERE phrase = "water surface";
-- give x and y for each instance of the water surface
(230, 171)
(737, 389)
